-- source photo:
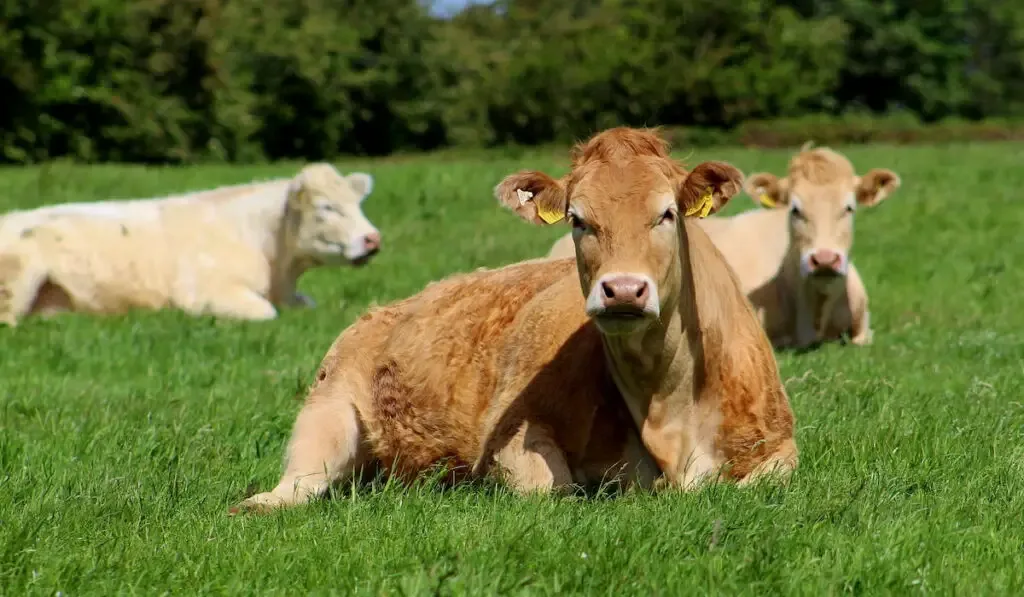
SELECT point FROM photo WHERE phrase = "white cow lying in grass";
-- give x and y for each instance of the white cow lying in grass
(234, 251)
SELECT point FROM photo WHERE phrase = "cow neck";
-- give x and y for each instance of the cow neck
(267, 221)
(658, 371)
(805, 303)
(285, 266)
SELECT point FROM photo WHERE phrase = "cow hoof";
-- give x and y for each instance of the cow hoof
(301, 300)
(263, 503)
(863, 339)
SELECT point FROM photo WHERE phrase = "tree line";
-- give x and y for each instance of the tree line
(163, 81)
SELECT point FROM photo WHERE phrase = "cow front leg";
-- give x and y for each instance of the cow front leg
(826, 317)
(861, 333)
(860, 319)
(19, 285)
(778, 467)
(328, 444)
(531, 461)
(804, 335)
(235, 302)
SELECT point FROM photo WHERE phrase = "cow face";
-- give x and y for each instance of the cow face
(822, 194)
(331, 228)
(626, 208)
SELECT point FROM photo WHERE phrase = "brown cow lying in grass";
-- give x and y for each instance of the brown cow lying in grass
(513, 371)
(792, 259)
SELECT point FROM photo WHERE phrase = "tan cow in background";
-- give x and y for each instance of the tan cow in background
(515, 371)
(793, 257)
(235, 251)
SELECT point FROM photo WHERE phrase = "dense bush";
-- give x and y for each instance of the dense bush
(184, 80)
(829, 130)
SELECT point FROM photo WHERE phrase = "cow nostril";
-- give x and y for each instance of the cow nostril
(609, 292)
(825, 259)
(641, 292)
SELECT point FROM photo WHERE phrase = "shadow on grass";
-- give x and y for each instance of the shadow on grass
(438, 482)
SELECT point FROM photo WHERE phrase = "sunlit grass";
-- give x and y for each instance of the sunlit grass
(123, 440)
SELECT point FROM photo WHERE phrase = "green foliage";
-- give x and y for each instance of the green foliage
(123, 440)
(854, 128)
(243, 80)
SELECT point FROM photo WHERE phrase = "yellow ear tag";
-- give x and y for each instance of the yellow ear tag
(549, 215)
(766, 200)
(703, 206)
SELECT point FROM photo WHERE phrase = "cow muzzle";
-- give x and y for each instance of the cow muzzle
(824, 263)
(365, 249)
(621, 302)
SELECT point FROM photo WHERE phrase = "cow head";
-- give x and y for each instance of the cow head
(329, 226)
(822, 192)
(625, 200)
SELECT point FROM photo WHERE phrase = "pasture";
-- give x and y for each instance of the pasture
(124, 440)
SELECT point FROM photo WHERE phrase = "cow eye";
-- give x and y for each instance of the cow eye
(795, 211)
(849, 209)
(667, 217)
(576, 222)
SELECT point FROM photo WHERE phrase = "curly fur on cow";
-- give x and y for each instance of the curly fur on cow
(515, 372)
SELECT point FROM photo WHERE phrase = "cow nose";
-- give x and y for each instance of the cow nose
(624, 291)
(372, 241)
(825, 259)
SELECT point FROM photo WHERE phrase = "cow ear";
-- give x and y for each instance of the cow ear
(767, 190)
(875, 186)
(297, 192)
(361, 183)
(534, 196)
(708, 187)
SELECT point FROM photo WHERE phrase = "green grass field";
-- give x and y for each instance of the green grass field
(124, 440)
